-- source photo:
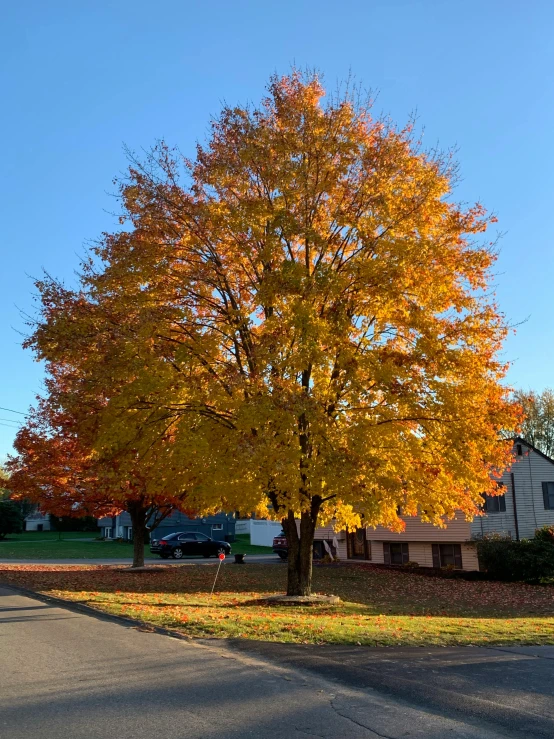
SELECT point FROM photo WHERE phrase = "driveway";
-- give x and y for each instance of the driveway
(66, 674)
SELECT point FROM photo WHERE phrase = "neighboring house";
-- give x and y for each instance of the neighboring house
(527, 504)
(37, 521)
(221, 526)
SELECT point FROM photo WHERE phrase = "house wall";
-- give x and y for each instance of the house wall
(422, 553)
(456, 530)
(328, 533)
(34, 520)
(220, 527)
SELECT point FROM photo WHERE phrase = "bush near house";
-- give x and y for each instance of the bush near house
(68, 523)
(527, 560)
(11, 519)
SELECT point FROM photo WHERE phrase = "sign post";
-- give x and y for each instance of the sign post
(221, 558)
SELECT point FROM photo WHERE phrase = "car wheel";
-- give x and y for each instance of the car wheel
(221, 550)
(177, 553)
(283, 556)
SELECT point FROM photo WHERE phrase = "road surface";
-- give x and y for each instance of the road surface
(66, 674)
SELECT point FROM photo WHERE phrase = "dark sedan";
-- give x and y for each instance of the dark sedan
(182, 544)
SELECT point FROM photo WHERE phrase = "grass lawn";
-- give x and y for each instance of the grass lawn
(382, 607)
(43, 536)
(37, 545)
(242, 546)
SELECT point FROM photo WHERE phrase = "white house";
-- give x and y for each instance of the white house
(527, 504)
(37, 521)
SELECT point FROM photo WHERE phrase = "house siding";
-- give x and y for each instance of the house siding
(456, 530)
(530, 470)
(176, 522)
(422, 553)
(328, 533)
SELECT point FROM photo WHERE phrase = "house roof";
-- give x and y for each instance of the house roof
(520, 440)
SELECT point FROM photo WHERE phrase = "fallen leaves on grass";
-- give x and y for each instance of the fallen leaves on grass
(381, 606)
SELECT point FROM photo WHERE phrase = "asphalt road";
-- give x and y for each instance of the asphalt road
(66, 674)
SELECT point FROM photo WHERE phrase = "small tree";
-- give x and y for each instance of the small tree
(11, 520)
(538, 424)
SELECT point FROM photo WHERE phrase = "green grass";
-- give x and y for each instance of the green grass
(381, 607)
(71, 547)
(242, 546)
(43, 536)
(37, 545)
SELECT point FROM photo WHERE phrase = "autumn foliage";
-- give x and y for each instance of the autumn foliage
(303, 314)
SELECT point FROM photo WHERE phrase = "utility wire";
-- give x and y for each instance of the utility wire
(11, 421)
(12, 411)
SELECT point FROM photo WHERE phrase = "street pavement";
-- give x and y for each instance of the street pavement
(68, 674)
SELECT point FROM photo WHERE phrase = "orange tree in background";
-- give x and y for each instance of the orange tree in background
(307, 297)
(73, 459)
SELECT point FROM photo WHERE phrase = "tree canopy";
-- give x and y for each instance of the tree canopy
(305, 312)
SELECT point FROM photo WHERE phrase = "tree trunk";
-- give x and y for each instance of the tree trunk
(138, 515)
(300, 550)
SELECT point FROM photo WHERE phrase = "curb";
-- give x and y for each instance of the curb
(96, 613)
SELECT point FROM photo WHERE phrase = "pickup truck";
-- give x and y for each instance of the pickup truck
(281, 547)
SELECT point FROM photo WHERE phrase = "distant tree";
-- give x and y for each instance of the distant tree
(11, 520)
(538, 427)
(4, 492)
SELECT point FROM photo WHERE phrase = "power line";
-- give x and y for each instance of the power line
(10, 410)
(11, 421)
(15, 428)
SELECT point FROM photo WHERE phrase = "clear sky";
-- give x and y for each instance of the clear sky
(79, 79)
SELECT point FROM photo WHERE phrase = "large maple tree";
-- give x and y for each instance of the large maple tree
(319, 297)
(307, 297)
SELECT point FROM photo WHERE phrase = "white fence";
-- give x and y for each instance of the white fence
(242, 527)
(261, 532)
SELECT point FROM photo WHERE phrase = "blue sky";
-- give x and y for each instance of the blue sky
(79, 79)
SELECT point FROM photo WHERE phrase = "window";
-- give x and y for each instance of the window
(201, 537)
(445, 555)
(187, 537)
(494, 503)
(217, 527)
(396, 554)
(548, 495)
(320, 550)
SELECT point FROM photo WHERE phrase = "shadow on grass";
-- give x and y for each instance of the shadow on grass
(375, 591)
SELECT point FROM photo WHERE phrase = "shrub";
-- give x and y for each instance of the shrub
(411, 565)
(11, 520)
(545, 534)
(68, 523)
(530, 560)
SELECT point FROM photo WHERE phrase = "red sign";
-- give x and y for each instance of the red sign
(222, 556)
